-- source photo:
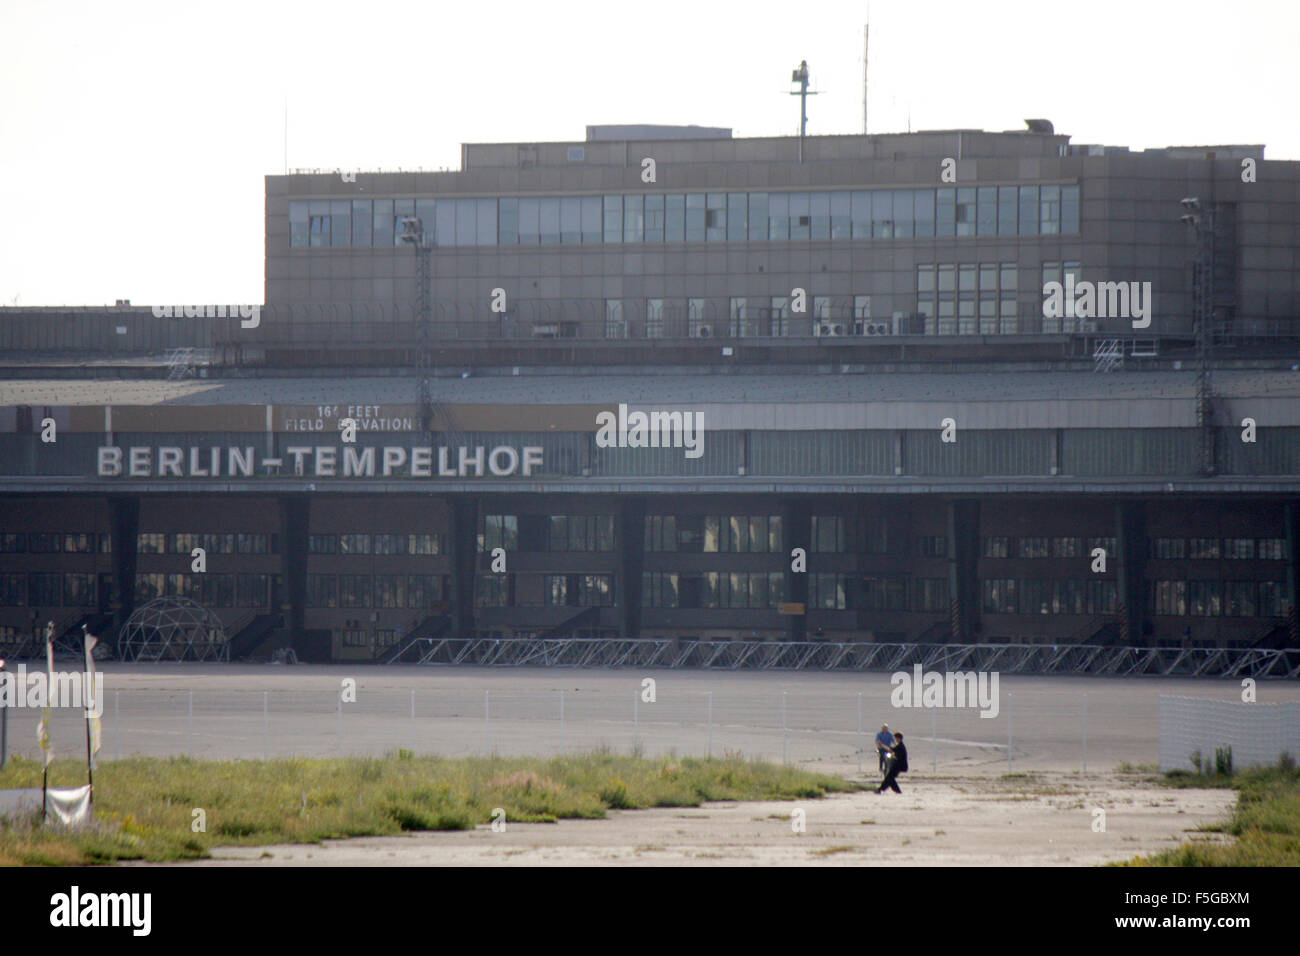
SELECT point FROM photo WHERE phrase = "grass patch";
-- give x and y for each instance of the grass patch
(831, 850)
(144, 806)
(1265, 821)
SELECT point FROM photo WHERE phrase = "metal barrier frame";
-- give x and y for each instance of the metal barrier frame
(1075, 659)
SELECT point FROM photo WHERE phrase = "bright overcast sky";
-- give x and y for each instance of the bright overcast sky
(134, 135)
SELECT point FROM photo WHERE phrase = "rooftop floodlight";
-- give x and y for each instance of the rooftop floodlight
(1190, 202)
(412, 230)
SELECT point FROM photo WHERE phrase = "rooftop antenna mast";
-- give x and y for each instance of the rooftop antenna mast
(866, 36)
(800, 76)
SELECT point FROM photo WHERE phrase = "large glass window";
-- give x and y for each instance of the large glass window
(508, 221)
(800, 216)
(299, 224)
(778, 216)
(633, 218)
(444, 219)
(530, 222)
(820, 207)
(613, 218)
(986, 214)
(549, 220)
(654, 218)
(737, 221)
(946, 212)
(1070, 210)
(591, 225)
(1028, 210)
(1007, 210)
(571, 219)
(696, 217)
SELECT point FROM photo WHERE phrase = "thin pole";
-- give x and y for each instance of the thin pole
(710, 750)
(339, 712)
(934, 741)
(1008, 732)
(191, 724)
(266, 725)
(561, 720)
(859, 734)
(4, 733)
(783, 735)
(1085, 733)
(487, 723)
(636, 702)
(412, 722)
(117, 728)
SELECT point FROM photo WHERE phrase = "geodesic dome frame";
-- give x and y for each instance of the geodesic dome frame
(173, 629)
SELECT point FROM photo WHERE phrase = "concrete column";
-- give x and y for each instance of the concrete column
(124, 524)
(1130, 570)
(1291, 601)
(796, 522)
(464, 562)
(630, 535)
(963, 569)
(295, 520)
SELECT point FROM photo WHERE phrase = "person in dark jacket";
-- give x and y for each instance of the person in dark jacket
(897, 764)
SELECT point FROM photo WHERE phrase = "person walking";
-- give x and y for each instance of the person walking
(897, 764)
(884, 743)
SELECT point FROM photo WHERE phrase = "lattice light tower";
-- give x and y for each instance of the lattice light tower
(1202, 220)
(413, 234)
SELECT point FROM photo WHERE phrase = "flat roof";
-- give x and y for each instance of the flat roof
(738, 388)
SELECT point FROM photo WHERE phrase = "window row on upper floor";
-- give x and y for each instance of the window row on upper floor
(1026, 210)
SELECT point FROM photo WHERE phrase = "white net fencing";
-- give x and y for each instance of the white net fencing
(1257, 733)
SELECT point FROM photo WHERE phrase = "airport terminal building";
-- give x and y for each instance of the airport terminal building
(947, 387)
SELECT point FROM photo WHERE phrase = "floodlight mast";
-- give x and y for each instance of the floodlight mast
(800, 76)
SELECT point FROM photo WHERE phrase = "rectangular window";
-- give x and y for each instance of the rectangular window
(827, 534)
(1000, 596)
(654, 218)
(322, 590)
(660, 533)
(932, 546)
(1239, 549)
(613, 219)
(79, 589)
(778, 216)
(1203, 549)
(595, 590)
(696, 217)
(492, 590)
(252, 590)
(390, 590)
(424, 544)
(1028, 210)
(548, 215)
(904, 226)
(444, 221)
(79, 543)
(1032, 548)
(882, 214)
(354, 544)
(591, 224)
(390, 544)
(615, 323)
(498, 531)
(841, 208)
(13, 543)
(1204, 599)
(322, 544)
(1272, 549)
(354, 590)
(530, 221)
(423, 590)
(1067, 547)
(340, 222)
(997, 547)
(674, 218)
(1070, 210)
(149, 542)
(299, 224)
(508, 220)
(570, 220)
(827, 592)
(800, 216)
(633, 218)
(737, 221)
(654, 318)
(1049, 204)
(986, 211)
(557, 590)
(923, 210)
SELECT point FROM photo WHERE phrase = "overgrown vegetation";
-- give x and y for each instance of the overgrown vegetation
(144, 807)
(1265, 821)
